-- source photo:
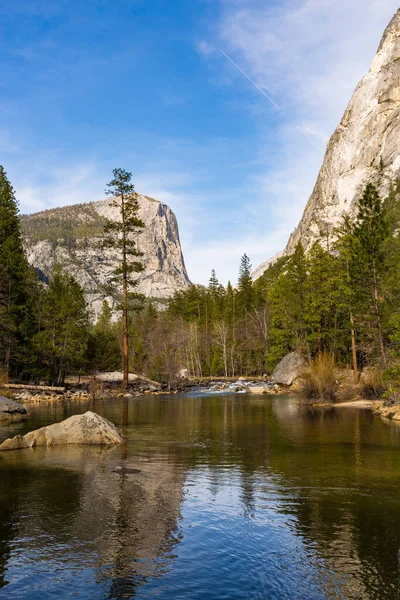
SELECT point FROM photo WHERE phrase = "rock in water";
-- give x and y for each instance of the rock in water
(288, 369)
(88, 428)
(11, 411)
(364, 148)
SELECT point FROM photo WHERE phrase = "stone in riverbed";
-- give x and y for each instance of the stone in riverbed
(11, 411)
(88, 428)
(289, 369)
(258, 389)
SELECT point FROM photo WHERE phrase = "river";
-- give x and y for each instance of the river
(218, 497)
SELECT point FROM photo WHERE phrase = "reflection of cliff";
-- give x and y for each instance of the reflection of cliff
(118, 525)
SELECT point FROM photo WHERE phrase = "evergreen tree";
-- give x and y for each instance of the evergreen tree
(103, 351)
(391, 276)
(62, 339)
(287, 298)
(326, 304)
(367, 270)
(119, 237)
(14, 271)
(245, 283)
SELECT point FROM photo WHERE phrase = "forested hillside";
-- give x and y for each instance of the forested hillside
(341, 298)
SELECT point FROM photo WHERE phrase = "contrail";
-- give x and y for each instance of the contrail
(311, 139)
(308, 136)
(249, 78)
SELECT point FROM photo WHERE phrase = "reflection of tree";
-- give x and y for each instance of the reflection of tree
(344, 462)
(120, 525)
(327, 471)
(27, 498)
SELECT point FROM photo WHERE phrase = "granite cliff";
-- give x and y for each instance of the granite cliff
(70, 236)
(364, 148)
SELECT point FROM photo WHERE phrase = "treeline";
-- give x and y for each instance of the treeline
(342, 297)
(65, 225)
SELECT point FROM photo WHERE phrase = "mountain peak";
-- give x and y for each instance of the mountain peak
(364, 148)
(70, 236)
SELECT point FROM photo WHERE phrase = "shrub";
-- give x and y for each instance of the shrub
(391, 377)
(372, 384)
(319, 382)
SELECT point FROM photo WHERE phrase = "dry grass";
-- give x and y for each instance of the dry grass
(372, 384)
(319, 383)
(96, 388)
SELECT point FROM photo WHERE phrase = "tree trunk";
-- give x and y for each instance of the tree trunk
(378, 316)
(353, 349)
(125, 344)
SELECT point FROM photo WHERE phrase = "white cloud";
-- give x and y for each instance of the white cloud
(51, 186)
(308, 55)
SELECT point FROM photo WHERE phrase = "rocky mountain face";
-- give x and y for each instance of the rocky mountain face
(364, 148)
(71, 237)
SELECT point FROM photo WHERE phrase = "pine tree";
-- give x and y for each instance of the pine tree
(119, 237)
(326, 302)
(391, 278)
(13, 274)
(104, 352)
(367, 269)
(287, 298)
(213, 284)
(245, 284)
(343, 246)
(61, 342)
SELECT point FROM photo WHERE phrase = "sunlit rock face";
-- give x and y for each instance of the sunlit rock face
(71, 237)
(364, 148)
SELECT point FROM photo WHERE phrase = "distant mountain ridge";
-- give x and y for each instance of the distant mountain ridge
(364, 148)
(70, 236)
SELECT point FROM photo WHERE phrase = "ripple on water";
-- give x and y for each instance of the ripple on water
(217, 497)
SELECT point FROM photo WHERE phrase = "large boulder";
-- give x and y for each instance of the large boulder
(88, 428)
(289, 369)
(11, 411)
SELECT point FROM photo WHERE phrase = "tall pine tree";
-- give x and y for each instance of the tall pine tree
(367, 270)
(119, 235)
(13, 276)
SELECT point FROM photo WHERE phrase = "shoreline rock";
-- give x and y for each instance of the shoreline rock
(11, 411)
(289, 369)
(89, 428)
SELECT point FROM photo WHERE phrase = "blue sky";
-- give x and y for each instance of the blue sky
(88, 86)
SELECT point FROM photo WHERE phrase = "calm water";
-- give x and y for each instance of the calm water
(220, 497)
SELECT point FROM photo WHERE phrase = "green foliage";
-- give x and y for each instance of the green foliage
(61, 340)
(69, 226)
(103, 350)
(391, 379)
(119, 235)
(287, 298)
(245, 284)
(309, 302)
(368, 272)
(16, 281)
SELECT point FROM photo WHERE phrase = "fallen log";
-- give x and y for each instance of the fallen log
(38, 388)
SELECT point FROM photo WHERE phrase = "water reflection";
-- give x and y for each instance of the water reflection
(219, 496)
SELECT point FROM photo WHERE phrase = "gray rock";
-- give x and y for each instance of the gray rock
(11, 411)
(364, 148)
(164, 273)
(288, 369)
(88, 428)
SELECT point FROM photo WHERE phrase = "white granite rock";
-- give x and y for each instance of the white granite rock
(364, 148)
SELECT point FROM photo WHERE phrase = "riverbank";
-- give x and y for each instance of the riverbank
(377, 407)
